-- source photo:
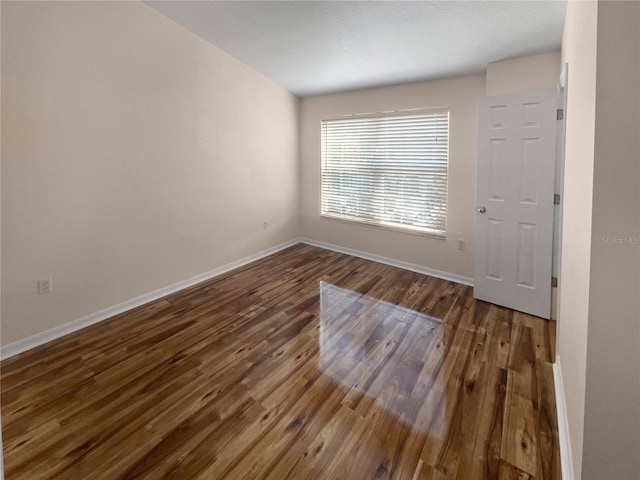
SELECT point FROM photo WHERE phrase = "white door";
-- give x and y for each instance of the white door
(514, 217)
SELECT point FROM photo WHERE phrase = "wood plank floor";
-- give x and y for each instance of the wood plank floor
(308, 364)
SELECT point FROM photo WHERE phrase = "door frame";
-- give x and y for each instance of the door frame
(563, 93)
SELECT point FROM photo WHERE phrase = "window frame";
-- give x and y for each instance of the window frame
(381, 223)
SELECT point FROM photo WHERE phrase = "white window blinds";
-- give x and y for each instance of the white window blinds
(387, 170)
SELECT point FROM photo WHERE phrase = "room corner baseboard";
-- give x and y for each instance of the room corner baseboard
(392, 262)
(563, 425)
(38, 339)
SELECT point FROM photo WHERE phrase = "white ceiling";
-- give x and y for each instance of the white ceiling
(316, 47)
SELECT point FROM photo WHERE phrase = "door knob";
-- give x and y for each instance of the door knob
(481, 209)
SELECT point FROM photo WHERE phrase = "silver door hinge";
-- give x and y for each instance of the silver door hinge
(559, 114)
(554, 281)
(556, 199)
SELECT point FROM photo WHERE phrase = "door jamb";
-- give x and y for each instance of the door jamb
(559, 189)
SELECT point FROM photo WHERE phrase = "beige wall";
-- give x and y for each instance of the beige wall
(579, 50)
(599, 328)
(612, 405)
(134, 155)
(524, 74)
(461, 95)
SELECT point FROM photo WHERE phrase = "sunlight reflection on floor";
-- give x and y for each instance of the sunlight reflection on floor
(369, 334)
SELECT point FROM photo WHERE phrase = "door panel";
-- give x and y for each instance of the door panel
(494, 257)
(497, 169)
(526, 276)
(516, 169)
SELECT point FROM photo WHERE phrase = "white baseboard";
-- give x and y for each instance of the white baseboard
(390, 261)
(28, 343)
(49, 335)
(563, 425)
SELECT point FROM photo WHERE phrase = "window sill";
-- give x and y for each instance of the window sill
(410, 231)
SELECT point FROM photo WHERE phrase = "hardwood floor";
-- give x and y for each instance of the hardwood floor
(308, 364)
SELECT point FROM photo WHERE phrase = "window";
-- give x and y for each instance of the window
(387, 170)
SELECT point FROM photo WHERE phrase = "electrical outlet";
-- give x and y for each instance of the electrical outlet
(461, 244)
(44, 286)
(265, 225)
